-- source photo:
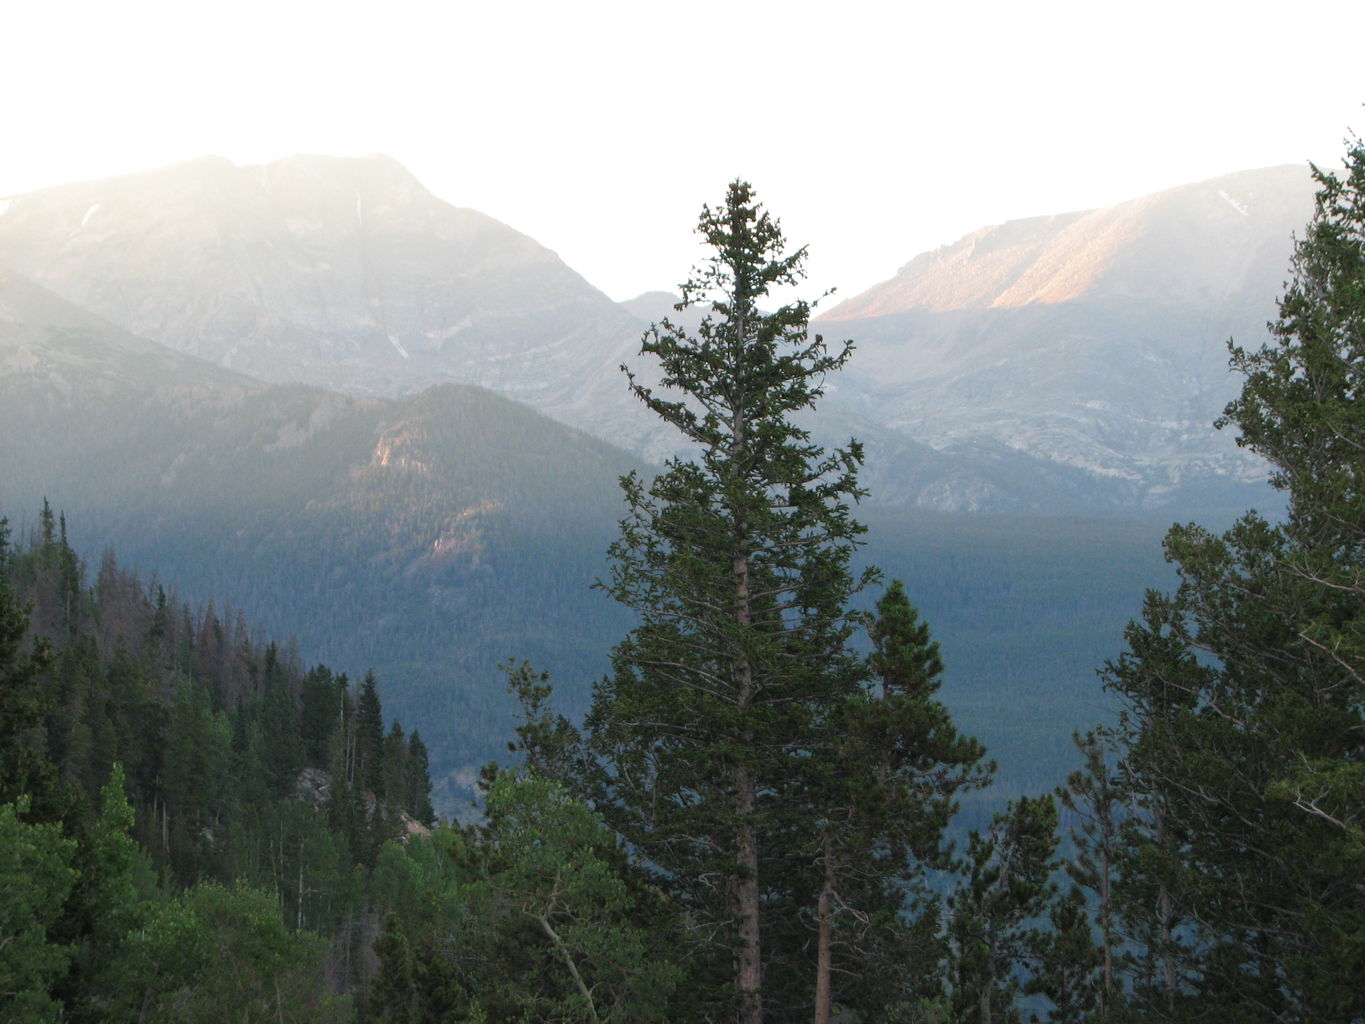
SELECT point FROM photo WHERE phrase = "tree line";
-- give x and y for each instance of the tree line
(191, 820)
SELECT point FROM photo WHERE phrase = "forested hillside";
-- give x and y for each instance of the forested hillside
(430, 538)
(1052, 365)
(190, 817)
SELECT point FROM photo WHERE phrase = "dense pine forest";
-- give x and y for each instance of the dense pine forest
(171, 778)
(754, 820)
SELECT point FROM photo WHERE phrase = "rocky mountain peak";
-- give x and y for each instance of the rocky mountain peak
(1201, 242)
(340, 272)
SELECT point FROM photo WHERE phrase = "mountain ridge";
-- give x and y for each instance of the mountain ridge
(1091, 342)
(433, 536)
(428, 537)
(1063, 363)
(1069, 256)
(343, 273)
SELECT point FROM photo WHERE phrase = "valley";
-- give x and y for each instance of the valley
(392, 428)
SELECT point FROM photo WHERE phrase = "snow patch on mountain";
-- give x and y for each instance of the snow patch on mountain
(1239, 207)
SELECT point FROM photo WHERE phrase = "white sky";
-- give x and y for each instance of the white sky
(875, 130)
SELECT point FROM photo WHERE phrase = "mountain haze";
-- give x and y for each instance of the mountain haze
(433, 537)
(1062, 363)
(1085, 348)
(429, 537)
(46, 340)
(339, 273)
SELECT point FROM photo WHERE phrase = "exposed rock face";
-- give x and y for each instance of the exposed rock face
(1209, 243)
(314, 787)
(1091, 345)
(345, 274)
(1060, 363)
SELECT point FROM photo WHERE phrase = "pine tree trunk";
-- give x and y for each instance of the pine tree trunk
(824, 994)
(749, 966)
(988, 978)
(749, 956)
(298, 924)
(1167, 960)
(1106, 930)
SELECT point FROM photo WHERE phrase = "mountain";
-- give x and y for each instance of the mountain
(1050, 365)
(1067, 364)
(429, 537)
(653, 307)
(1216, 242)
(1084, 352)
(48, 342)
(435, 536)
(345, 274)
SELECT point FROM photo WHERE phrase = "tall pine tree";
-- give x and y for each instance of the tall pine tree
(737, 562)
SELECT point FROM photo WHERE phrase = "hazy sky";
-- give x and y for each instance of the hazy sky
(599, 128)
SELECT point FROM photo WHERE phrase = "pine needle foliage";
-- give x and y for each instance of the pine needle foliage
(737, 561)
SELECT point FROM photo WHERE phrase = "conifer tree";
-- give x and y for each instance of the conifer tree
(319, 715)
(24, 768)
(395, 995)
(737, 561)
(107, 900)
(282, 748)
(370, 738)
(992, 928)
(1302, 408)
(1068, 966)
(47, 533)
(1252, 774)
(417, 781)
(1158, 679)
(68, 573)
(886, 774)
(1095, 799)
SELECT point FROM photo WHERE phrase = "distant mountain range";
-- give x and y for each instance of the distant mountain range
(1061, 363)
(344, 274)
(435, 536)
(1091, 346)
